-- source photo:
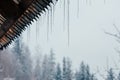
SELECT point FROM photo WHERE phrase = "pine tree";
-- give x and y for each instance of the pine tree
(23, 59)
(87, 75)
(69, 70)
(18, 52)
(58, 75)
(64, 69)
(80, 74)
(45, 68)
(51, 65)
(92, 77)
(118, 78)
(77, 75)
(37, 70)
(82, 71)
(110, 75)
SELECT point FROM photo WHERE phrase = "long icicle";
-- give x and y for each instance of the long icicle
(28, 34)
(90, 2)
(78, 5)
(53, 13)
(37, 30)
(51, 22)
(64, 15)
(68, 1)
(104, 1)
(48, 26)
(86, 1)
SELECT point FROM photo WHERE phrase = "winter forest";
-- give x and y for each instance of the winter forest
(71, 40)
(16, 64)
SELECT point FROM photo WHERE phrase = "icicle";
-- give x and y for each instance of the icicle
(64, 15)
(1, 65)
(28, 34)
(53, 13)
(78, 8)
(68, 19)
(90, 2)
(48, 26)
(51, 19)
(37, 31)
(104, 1)
(86, 1)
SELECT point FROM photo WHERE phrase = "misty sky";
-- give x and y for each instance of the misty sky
(88, 42)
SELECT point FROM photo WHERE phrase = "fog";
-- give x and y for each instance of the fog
(87, 42)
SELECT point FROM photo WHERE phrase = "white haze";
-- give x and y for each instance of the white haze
(88, 42)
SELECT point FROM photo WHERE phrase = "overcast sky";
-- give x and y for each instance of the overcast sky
(88, 42)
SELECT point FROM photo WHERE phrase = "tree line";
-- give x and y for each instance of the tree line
(16, 63)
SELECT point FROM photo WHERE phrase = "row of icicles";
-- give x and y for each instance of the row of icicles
(66, 19)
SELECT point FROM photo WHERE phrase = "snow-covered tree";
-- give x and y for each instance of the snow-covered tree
(118, 77)
(51, 65)
(58, 75)
(87, 75)
(17, 52)
(110, 75)
(69, 72)
(93, 77)
(77, 75)
(84, 73)
(37, 70)
(64, 69)
(24, 64)
(45, 68)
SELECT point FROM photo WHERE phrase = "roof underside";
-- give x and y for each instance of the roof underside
(16, 15)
